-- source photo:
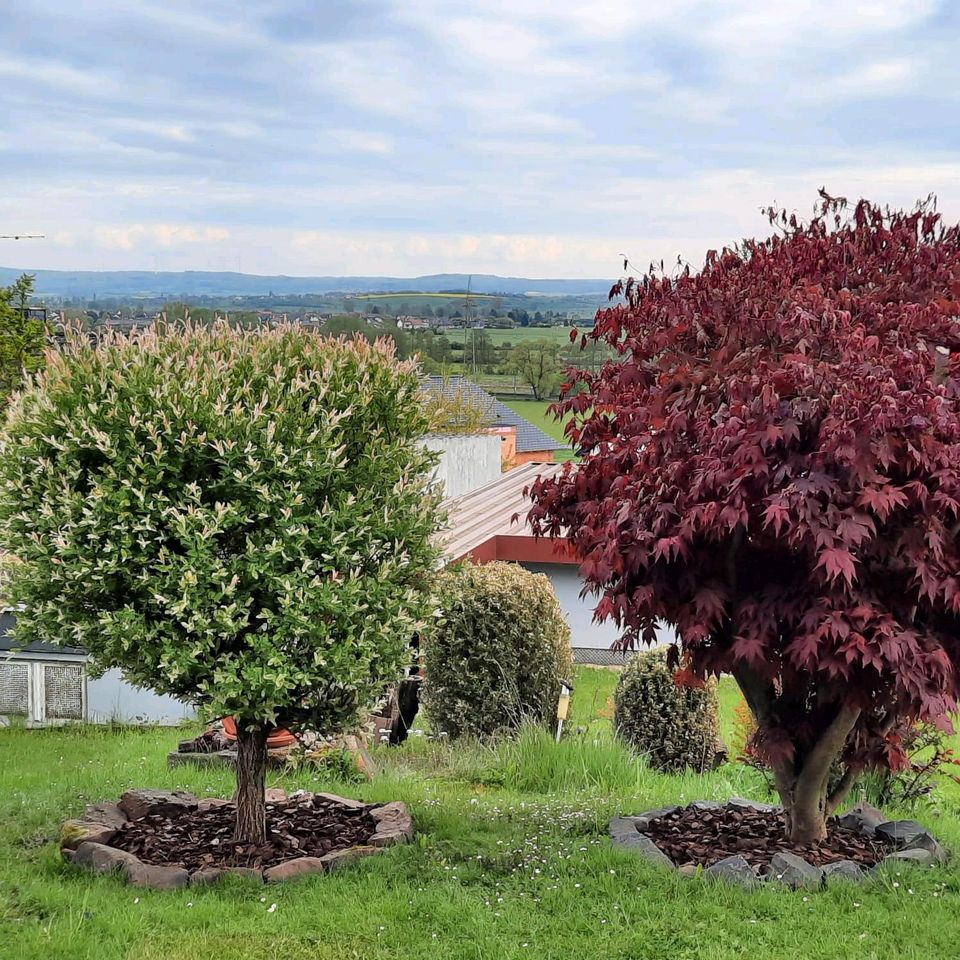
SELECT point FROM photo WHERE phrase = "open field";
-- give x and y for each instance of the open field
(424, 296)
(511, 861)
(516, 335)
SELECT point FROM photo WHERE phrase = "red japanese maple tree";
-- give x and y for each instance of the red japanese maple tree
(772, 464)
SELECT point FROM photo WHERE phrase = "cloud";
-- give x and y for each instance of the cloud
(512, 136)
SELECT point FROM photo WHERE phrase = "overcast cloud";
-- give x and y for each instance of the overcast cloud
(522, 137)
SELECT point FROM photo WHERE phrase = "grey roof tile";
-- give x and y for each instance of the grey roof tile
(529, 437)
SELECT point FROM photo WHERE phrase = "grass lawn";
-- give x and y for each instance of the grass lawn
(511, 861)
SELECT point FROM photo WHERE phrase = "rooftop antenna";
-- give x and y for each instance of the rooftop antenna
(22, 236)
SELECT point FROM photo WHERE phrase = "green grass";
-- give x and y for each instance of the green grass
(511, 861)
(515, 335)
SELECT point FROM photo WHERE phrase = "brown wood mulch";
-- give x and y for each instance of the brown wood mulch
(705, 836)
(297, 827)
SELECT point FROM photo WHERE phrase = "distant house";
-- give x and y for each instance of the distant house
(411, 323)
(522, 442)
(44, 684)
(490, 523)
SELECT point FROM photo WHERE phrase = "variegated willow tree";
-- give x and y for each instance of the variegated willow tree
(241, 519)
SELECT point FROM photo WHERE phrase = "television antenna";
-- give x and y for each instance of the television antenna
(22, 236)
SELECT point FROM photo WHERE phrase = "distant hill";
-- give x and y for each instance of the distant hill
(145, 283)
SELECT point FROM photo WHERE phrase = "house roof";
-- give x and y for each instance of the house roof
(483, 516)
(529, 437)
(7, 619)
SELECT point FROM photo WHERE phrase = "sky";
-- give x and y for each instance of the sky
(538, 138)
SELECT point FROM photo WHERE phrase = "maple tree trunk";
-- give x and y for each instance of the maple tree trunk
(803, 787)
(803, 792)
(804, 805)
(251, 822)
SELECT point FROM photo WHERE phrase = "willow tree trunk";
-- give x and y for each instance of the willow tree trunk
(251, 823)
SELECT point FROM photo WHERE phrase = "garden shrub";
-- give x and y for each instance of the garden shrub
(674, 727)
(496, 650)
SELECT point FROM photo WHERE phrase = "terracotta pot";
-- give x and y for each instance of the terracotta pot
(281, 737)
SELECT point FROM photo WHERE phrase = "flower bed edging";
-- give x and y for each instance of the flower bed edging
(86, 842)
(911, 843)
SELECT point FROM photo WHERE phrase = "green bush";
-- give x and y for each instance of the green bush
(673, 727)
(495, 652)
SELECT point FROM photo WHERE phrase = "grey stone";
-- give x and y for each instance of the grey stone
(646, 848)
(900, 832)
(108, 813)
(156, 876)
(926, 841)
(706, 806)
(624, 833)
(658, 812)
(75, 832)
(910, 856)
(643, 820)
(141, 803)
(623, 830)
(389, 838)
(793, 871)
(843, 870)
(343, 858)
(741, 803)
(392, 819)
(99, 857)
(293, 868)
(864, 818)
(735, 869)
(345, 801)
(210, 875)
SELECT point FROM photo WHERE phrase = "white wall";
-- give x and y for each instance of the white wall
(467, 461)
(111, 698)
(579, 612)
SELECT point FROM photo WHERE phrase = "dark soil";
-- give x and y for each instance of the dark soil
(298, 827)
(706, 836)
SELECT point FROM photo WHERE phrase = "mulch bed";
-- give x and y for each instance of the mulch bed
(298, 827)
(704, 837)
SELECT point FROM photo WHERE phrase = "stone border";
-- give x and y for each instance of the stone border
(86, 842)
(914, 844)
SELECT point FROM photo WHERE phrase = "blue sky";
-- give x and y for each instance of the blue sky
(535, 138)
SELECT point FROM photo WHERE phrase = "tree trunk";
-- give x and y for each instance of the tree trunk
(251, 823)
(806, 803)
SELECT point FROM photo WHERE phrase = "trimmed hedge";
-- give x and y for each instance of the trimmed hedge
(495, 652)
(673, 727)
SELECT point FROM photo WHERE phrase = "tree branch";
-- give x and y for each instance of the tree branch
(812, 778)
(841, 790)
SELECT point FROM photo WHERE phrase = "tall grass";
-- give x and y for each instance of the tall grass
(534, 762)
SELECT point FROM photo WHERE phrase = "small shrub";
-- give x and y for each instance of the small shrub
(332, 761)
(929, 758)
(495, 652)
(673, 727)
